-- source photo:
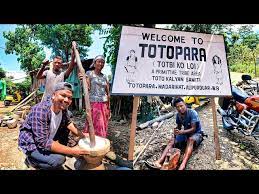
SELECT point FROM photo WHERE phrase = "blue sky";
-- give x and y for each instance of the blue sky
(9, 62)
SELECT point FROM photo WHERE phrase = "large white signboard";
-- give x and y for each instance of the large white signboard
(165, 62)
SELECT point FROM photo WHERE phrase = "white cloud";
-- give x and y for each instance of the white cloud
(18, 76)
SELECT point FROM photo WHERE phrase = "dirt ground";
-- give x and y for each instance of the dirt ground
(12, 158)
(237, 151)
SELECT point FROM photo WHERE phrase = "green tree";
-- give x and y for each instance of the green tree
(25, 85)
(22, 43)
(10, 85)
(241, 45)
(240, 59)
(243, 50)
(224, 29)
(58, 37)
(203, 28)
(111, 45)
(27, 42)
(2, 73)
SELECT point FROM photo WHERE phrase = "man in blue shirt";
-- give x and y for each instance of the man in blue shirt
(191, 134)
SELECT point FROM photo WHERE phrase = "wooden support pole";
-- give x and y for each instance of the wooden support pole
(86, 96)
(133, 127)
(216, 132)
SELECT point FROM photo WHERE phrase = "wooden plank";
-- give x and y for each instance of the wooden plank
(133, 127)
(215, 126)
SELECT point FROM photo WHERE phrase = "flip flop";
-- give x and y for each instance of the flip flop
(173, 160)
(151, 165)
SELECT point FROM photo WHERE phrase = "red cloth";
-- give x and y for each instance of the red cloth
(100, 117)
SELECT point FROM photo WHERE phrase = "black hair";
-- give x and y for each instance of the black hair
(177, 100)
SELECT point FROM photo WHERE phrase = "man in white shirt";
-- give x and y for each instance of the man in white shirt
(54, 75)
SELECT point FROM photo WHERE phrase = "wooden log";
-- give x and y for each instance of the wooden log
(21, 105)
(86, 96)
(24, 100)
(158, 119)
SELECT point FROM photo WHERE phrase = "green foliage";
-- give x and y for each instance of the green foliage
(243, 49)
(111, 46)
(203, 28)
(2, 73)
(59, 37)
(241, 46)
(27, 42)
(23, 44)
(10, 86)
(25, 85)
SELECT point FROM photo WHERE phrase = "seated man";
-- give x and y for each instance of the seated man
(191, 134)
(44, 134)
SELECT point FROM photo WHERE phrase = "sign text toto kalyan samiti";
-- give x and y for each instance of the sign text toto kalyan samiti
(165, 62)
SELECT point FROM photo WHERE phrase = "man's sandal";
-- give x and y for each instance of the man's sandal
(173, 160)
(151, 165)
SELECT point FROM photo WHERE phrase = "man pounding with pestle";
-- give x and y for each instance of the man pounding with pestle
(44, 134)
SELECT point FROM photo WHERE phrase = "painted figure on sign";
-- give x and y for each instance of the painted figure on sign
(131, 66)
(216, 61)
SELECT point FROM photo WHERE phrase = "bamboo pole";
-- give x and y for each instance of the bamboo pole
(24, 100)
(151, 138)
(133, 127)
(86, 96)
(32, 98)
